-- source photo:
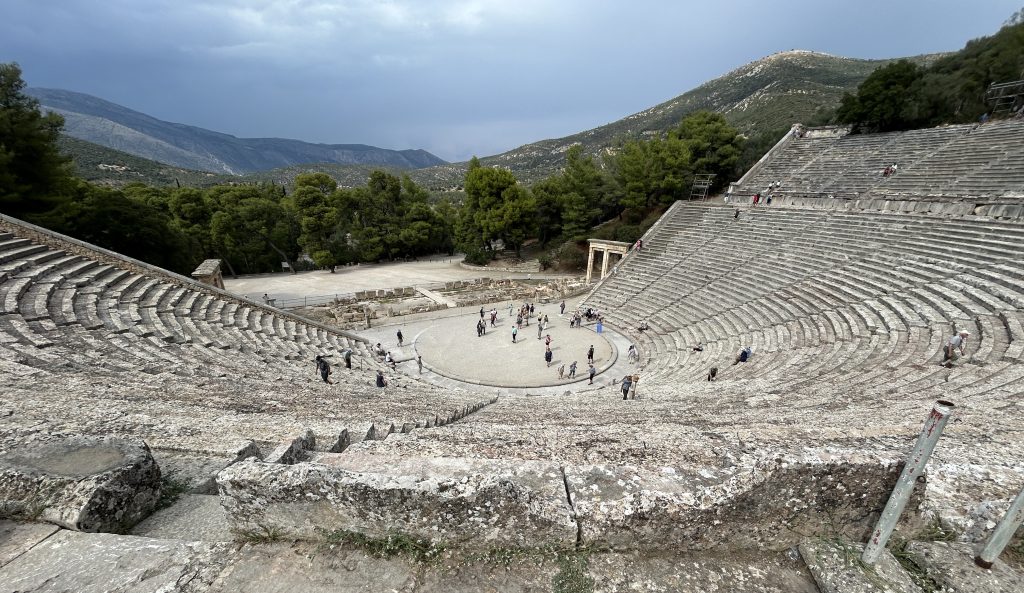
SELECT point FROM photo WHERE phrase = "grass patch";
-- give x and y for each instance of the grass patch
(935, 532)
(916, 572)
(264, 534)
(389, 546)
(573, 576)
(170, 491)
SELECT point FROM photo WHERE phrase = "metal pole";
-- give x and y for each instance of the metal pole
(914, 467)
(1001, 536)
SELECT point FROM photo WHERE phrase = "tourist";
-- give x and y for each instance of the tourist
(519, 321)
(540, 329)
(956, 343)
(381, 381)
(510, 307)
(713, 374)
(699, 347)
(561, 308)
(631, 354)
(494, 317)
(768, 201)
(547, 340)
(515, 330)
(324, 368)
(419, 363)
(547, 355)
(531, 308)
(590, 354)
(561, 371)
(266, 299)
(600, 325)
(736, 215)
(348, 358)
(399, 334)
(379, 349)
(389, 360)
(643, 327)
(481, 312)
(591, 371)
(743, 356)
(632, 390)
(627, 382)
(546, 322)
(572, 370)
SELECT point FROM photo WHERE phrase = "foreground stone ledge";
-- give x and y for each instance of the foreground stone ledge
(107, 563)
(764, 502)
(476, 503)
(836, 567)
(81, 483)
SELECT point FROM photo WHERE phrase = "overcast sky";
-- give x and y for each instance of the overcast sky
(455, 77)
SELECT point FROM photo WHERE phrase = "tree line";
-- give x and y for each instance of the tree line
(904, 96)
(315, 223)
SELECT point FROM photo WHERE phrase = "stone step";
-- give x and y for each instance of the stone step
(192, 517)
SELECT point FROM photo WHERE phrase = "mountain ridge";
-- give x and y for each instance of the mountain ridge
(108, 124)
(762, 96)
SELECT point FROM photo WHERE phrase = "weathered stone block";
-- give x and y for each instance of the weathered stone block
(475, 503)
(761, 504)
(81, 483)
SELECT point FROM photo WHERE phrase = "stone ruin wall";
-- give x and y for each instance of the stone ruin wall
(353, 311)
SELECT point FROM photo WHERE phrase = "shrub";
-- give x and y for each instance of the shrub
(477, 256)
(628, 233)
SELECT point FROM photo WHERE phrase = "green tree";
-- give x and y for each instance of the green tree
(885, 100)
(496, 208)
(108, 218)
(33, 174)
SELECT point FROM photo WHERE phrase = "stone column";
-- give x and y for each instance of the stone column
(604, 263)
(590, 263)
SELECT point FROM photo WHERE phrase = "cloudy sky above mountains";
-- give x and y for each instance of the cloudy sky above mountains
(456, 77)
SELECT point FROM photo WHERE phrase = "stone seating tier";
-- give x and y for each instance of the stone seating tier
(969, 161)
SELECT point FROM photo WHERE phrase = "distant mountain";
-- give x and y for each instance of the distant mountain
(108, 124)
(768, 94)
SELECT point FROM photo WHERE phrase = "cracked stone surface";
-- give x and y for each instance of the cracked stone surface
(16, 538)
(107, 563)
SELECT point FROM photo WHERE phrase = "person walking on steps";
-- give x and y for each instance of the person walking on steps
(348, 359)
(956, 343)
(324, 368)
(399, 334)
(381, 381)
(627, 381)
(632, 388)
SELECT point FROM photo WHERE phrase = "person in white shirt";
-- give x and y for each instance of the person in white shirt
(954, 348)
